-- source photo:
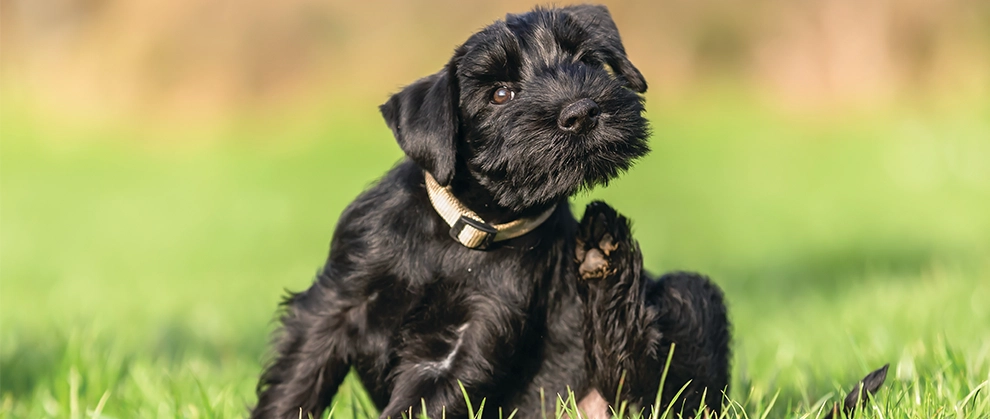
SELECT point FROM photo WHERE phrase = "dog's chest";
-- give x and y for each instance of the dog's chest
(474, 298)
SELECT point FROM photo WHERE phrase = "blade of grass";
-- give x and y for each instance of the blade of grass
(677, 395)
(481, 408)
(663, 381)
(466, 399)
(574, 405)
(769, 407)
(618, 396)
(702, 405)
(98, 411)
(972, 394)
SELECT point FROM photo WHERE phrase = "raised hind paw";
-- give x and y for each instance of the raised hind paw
(604, 242)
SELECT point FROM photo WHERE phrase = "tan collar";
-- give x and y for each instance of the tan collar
(467, 227)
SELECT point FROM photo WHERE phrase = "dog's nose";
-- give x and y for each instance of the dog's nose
(579, 116)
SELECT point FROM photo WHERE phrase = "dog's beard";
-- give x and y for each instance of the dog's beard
(524, 160)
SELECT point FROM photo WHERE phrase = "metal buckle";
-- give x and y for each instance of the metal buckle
(487, 229)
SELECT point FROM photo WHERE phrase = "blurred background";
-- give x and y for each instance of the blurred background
(206, 59)
(168, 168)
(203, 59)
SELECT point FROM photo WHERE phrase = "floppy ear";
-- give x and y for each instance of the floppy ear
(424, 119)
(597, 20)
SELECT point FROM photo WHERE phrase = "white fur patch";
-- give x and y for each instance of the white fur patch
(443, 365)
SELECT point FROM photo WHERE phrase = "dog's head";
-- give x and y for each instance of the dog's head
(532, 108)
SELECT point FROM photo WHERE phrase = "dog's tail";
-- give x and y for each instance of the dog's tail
(858, 396)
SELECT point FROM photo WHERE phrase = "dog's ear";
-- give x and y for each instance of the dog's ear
(599, 24)
(424, 119)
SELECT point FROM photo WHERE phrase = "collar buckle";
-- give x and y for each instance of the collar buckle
(473, 233)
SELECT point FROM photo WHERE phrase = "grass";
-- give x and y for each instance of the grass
(138, 278)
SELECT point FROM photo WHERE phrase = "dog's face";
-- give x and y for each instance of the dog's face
(532, 108)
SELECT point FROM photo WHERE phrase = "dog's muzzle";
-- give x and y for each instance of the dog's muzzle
(467, 227)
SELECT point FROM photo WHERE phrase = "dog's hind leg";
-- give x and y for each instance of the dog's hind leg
(632, 322)
(692, 317)
(309, 366)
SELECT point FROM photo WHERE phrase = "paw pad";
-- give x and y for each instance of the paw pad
(594, 265)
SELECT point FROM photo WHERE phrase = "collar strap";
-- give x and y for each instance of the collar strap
(467, 227)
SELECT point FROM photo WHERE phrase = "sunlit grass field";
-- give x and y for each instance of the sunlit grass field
(141, 268)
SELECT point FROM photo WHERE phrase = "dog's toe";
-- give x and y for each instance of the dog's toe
(607, 244)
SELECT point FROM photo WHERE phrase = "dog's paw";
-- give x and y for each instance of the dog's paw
(604, 240)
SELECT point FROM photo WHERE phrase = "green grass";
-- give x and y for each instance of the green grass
(140, 276)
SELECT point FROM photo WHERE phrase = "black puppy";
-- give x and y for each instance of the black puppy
(459, 267)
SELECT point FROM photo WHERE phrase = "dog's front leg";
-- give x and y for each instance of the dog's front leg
(418, 387)
(476, 356)
(310, 362)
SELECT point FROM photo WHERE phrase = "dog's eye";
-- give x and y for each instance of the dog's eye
(502, 95)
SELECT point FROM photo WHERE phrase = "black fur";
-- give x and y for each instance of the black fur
(415, 313)
(859, 395)
(632, 321)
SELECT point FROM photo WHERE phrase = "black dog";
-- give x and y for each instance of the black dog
(464, 265)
